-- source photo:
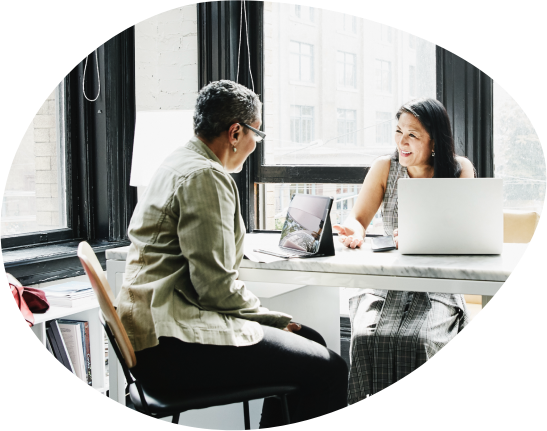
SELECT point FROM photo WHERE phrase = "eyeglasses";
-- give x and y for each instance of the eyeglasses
(258, 133)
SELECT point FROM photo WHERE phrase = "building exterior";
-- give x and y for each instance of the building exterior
(333, 84)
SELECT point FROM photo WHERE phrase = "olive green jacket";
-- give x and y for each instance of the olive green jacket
(181, 277)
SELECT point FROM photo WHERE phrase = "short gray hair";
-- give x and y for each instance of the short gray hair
(223, 103)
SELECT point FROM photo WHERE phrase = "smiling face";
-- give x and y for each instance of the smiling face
(413, 142)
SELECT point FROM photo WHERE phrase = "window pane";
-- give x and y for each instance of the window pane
(316, 65)
(35, 197)
(518, 157)
(272, 210)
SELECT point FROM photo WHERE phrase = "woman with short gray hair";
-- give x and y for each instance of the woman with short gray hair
(192, 323)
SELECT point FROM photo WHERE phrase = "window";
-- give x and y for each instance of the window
(383, 76)
(70, 181)
(301, 62)
(384, 128)
(35, 198)
(349, 23)
(301, 124)
(386, 34)
(305, 13)
(518, 157)
(347, 127)
(462, 88)
(346, 67)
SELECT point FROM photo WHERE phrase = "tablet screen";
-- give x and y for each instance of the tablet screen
(305, 221)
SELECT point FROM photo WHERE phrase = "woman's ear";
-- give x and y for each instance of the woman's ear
(234, 133)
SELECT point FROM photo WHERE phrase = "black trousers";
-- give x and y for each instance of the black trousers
(280, 357)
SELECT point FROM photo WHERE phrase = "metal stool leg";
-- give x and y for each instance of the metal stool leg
(246, 415)
(285, 409)
(176, 418)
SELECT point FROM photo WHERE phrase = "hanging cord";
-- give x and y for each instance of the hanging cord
(98, 78)
(239, 42)
(244, 12)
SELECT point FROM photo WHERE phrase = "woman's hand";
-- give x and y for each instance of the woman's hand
(396, 237)
(292, 327)
(348, 236)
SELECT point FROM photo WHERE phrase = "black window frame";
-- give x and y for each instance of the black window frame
(465, 91)
(98, 152)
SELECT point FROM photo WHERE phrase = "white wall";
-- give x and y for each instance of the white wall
(166, 60)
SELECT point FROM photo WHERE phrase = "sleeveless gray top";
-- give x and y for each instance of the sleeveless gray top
(390, 214)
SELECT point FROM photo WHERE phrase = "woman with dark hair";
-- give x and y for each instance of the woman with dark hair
(393, 333)
(193, 324)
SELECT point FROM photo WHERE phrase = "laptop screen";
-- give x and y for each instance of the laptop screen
(304, 223)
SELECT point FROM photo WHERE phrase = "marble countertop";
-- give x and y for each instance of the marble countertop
(391, 263)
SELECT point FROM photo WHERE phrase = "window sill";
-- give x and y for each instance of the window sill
(40, 264)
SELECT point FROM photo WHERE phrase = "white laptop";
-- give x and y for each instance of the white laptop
(450, 215)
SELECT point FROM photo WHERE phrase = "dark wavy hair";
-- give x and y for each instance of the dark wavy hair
(223, 103)
(433, 116)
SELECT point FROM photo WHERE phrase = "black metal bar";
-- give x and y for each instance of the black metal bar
(285, 409)
(313, 174)
(36, 238)
(175, 419)
(246, 415)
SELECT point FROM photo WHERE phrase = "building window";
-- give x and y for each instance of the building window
(301, 124)
(346, 68)
(384, 128)
(304, 13)
(383, 76)
(412, 80)
(347, 126)
(301, 63)
(386, 34)
(349, 23)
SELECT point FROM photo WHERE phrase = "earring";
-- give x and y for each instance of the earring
(432, 153)
(235, 149)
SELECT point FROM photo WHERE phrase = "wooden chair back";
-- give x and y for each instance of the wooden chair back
(106, 298)
(519, 226)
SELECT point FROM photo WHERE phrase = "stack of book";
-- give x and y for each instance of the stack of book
(68, 341)
(70, 294)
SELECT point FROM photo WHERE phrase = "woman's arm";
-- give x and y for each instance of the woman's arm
(352, 231)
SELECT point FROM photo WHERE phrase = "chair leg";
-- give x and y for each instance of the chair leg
(246, 415)
(176, 417)
(285, 409)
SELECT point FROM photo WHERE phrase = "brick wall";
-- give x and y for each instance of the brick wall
(31, 199)
(166, 60)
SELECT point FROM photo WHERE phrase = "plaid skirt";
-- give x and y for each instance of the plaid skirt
(393, 333)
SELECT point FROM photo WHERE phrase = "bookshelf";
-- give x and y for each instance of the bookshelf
(90, 313)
